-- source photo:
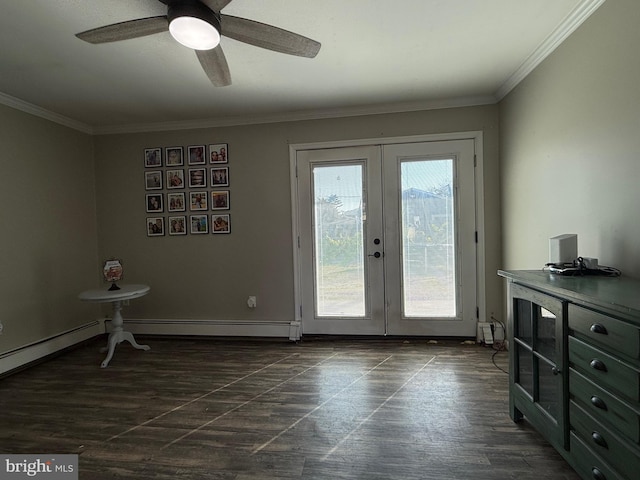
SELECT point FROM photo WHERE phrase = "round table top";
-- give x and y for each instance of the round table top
(126, 292)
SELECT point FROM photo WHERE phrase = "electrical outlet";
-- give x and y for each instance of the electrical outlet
(252, 302)
(1, 328)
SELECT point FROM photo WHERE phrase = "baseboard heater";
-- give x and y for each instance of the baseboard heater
(22, 356)
(222, 328)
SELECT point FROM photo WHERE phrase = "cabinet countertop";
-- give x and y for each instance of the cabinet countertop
(619, 295)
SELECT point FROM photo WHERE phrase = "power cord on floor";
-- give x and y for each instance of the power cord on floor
(499, 345)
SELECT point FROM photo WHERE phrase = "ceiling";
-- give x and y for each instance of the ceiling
(376, 56)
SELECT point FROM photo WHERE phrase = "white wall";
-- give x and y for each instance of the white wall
(49, 238)
(570, 147)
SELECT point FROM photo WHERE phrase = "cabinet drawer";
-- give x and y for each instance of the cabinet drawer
(605, 407)
(604, 442)
(604, 369)
(615, 335)
(588, 464)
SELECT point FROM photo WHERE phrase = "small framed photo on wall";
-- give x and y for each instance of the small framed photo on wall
(176, 202)
(178, 225)
(197, 177)
(220, 223)
(199, 224)
(155, 226)
(220, 177)
(154, 203)
(198, 201)
(220, 200)
(196, 155)
(175, 178)
(218, 153)
(173, 156)
(153, 180)
(152, 157)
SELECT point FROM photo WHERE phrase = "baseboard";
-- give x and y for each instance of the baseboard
(27, 354)
(222, 328)
(23, 356)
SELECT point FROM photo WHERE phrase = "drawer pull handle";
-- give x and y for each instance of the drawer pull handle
(598, 403)
(597, 474)
(597, 328)
(599, 440)
(598, 365)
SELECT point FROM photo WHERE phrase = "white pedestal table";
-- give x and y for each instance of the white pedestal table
(116, 297)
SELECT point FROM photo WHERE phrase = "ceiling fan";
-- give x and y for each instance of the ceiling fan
(198, 24)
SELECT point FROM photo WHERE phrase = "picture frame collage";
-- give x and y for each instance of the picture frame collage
(186, 184)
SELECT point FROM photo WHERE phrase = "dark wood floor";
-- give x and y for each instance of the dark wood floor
(242, 409)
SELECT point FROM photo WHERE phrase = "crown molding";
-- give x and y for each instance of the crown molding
(232, 121)
(299, 115)
(27, 107)
(571, 22)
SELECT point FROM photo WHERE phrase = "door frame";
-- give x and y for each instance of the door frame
(476, 136)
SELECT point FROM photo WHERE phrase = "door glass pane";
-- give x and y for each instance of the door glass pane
(339, 218)
(548, 393)
(524, 371)
(428, 247)
(523, 320)
(546, 334)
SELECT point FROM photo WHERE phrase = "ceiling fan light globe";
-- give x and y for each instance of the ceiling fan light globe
(194, 33)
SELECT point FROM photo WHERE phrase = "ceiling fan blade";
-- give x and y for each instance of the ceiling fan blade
(125, 30)
(214, 64)
(268, 36)
(216, 5)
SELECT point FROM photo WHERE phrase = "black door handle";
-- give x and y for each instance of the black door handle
(376, 254)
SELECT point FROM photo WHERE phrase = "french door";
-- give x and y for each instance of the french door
(387, 239)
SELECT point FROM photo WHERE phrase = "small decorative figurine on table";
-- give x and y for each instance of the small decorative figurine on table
(112, 272)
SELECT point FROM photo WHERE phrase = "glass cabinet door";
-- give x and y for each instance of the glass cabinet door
(538, 385)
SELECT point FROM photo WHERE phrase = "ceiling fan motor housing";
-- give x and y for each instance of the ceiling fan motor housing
(195, 9)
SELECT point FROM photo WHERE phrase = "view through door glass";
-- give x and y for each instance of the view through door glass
(338, 217)
(428, 238)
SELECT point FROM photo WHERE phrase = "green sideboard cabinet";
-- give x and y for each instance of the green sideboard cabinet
(574, 359)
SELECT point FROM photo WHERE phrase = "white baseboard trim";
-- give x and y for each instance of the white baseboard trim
(32, 352)
(22, 356)
(222, 328)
